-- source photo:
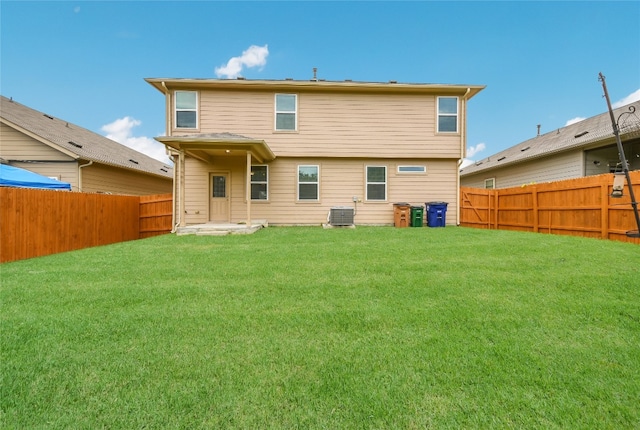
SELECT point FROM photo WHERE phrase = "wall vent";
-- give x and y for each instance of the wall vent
(341, 215)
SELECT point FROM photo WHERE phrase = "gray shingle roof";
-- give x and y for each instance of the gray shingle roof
(215, 136)
(83, 143)
(583, 134)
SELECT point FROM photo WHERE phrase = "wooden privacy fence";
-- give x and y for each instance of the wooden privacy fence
(42, 222)
(155, 215)
(579, 207)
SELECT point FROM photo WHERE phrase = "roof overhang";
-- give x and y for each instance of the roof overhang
(289, 85)
(206, 147)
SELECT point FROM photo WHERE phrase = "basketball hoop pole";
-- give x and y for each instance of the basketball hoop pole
(623, 159)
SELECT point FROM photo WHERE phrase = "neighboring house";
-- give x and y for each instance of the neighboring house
(90, 162)
(287, 151)
(581, 149)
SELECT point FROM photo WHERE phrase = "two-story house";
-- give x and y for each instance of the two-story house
(287, 151)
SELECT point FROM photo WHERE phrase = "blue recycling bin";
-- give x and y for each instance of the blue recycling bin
(436, 214)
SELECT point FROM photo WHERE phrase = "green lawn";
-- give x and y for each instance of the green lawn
(338, 329)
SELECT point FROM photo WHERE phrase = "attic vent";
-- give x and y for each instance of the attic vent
(133, 161)
(77, 145)
(501, 158)
(341, 215)
(478, 163)
(48, 116)
(580, 134)
(525, 149)
(165, 170)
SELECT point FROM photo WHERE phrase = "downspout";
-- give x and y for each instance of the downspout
(167, 109)
(181, 183)
(463, 150)
(80, 166)
(177, 214)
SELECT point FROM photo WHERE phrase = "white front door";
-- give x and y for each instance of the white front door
(219, 198)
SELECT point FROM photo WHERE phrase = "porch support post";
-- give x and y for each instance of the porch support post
(248, 189)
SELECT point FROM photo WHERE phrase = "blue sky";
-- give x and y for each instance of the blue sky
(85, 61)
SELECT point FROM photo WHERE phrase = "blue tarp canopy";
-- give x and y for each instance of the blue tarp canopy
(14, 177)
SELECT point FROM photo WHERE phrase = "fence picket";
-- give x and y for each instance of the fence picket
(41, 222)
(580, 207)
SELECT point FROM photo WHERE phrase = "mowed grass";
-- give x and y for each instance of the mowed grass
(339, 329)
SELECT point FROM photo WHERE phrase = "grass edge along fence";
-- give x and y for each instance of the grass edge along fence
(36, 222)
(577, 207)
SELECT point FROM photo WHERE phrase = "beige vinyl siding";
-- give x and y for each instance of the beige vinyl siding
(64, 171)
(25, 152)
(333, 124)
(340, 181)
(18, 146)
(100, 178)
(553, 168)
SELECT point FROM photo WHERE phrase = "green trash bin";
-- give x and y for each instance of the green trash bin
(417, 214)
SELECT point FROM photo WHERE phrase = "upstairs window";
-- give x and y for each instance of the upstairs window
(286, 112)
(376, 183)
(259, 182)
(308, 182)
(186, 109)
(447, 114)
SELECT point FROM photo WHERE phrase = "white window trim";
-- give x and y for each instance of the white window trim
(175, 110)
(422, 171)
(317, 199)
(493, 180)
(276, 112)
(260, 182)
(456, 115)
(366, 183)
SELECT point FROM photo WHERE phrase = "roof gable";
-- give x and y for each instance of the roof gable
(76, 141)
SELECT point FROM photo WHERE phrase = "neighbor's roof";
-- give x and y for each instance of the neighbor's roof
(77, 142)
(314, 85)
(589, 133)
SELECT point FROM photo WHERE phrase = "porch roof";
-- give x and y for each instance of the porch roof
(207, 145)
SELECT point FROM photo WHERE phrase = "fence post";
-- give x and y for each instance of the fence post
(604, 207)
(496, 197)
(534, 203)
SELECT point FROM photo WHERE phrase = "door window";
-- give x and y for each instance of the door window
(219, 186)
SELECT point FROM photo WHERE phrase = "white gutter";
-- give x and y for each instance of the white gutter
(80, 166)
(167, 108)
(463, 151)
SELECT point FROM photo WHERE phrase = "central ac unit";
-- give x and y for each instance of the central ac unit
(341, 215)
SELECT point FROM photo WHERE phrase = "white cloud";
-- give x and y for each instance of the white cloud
(120, 130)
(633, 97)
(466, 162)
(255, 56)
(574, 120)
(473, 150)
